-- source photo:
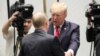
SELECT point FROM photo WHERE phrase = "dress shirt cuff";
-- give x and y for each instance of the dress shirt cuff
(70, 50)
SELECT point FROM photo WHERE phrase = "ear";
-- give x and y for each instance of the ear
(65, 13)
(47, 24)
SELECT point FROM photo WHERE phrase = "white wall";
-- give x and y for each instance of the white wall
(76, 14)
(3, 16)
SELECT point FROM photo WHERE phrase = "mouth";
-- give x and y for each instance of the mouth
(25, 28)
(55, 23)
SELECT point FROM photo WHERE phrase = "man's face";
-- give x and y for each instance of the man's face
(58, 18)
(27, 25)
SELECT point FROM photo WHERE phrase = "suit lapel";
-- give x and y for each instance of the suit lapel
(51, 29)
(65, 28)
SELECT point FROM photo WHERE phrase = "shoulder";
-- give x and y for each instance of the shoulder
(27, 38)
(52, 39)
(50, 23)
(31, 30)
(49, 37)
(39, 38)
(71, 24)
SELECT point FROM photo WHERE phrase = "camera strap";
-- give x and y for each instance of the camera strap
(17, 44)
(17, 47)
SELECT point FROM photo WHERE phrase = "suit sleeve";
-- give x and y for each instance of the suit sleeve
(56, 48)
(75, 40)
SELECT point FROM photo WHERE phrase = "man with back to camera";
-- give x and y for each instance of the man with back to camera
(68, 33)
(8, 32)
(39, 43)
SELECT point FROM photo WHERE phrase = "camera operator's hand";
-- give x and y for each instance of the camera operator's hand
(88, 15)
(89, 23)
(68, 53)
(89, 20)
(14, 16)
(9, 22)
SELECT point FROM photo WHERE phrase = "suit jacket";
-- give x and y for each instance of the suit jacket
(69, 35)
(40, 43)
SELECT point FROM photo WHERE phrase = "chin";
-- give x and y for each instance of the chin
(55, 24)
(25, 31)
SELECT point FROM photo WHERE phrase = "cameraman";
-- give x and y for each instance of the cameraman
(90, 31)
(93, 35)
(9, 34)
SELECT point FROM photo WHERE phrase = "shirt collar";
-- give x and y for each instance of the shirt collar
(60, 26)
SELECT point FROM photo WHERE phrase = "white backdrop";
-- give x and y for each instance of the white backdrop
(76, 14)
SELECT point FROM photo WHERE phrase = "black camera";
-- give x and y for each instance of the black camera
(94, 13)
(25, 12)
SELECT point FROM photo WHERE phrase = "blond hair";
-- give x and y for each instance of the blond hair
(58, 7)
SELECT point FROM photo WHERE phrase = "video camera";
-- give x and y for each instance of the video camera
(94, 13)
(25, 11)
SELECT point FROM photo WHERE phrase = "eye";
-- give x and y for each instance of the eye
(29, 21)
(53, 14)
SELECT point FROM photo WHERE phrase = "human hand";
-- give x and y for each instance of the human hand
(89, 16)
(89, 21)
(68, 53)
(14, 16)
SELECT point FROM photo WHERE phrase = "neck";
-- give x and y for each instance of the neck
(43, 28)
(25, 33)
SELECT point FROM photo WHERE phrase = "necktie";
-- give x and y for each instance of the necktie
(57, 33)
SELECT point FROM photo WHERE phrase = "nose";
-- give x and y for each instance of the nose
(55, 18)
(25, 23)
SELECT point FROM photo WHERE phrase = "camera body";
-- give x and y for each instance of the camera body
(25, 12)
(94, 13)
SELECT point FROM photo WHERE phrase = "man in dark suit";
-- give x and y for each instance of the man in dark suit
(40, 43)
(69, 32)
